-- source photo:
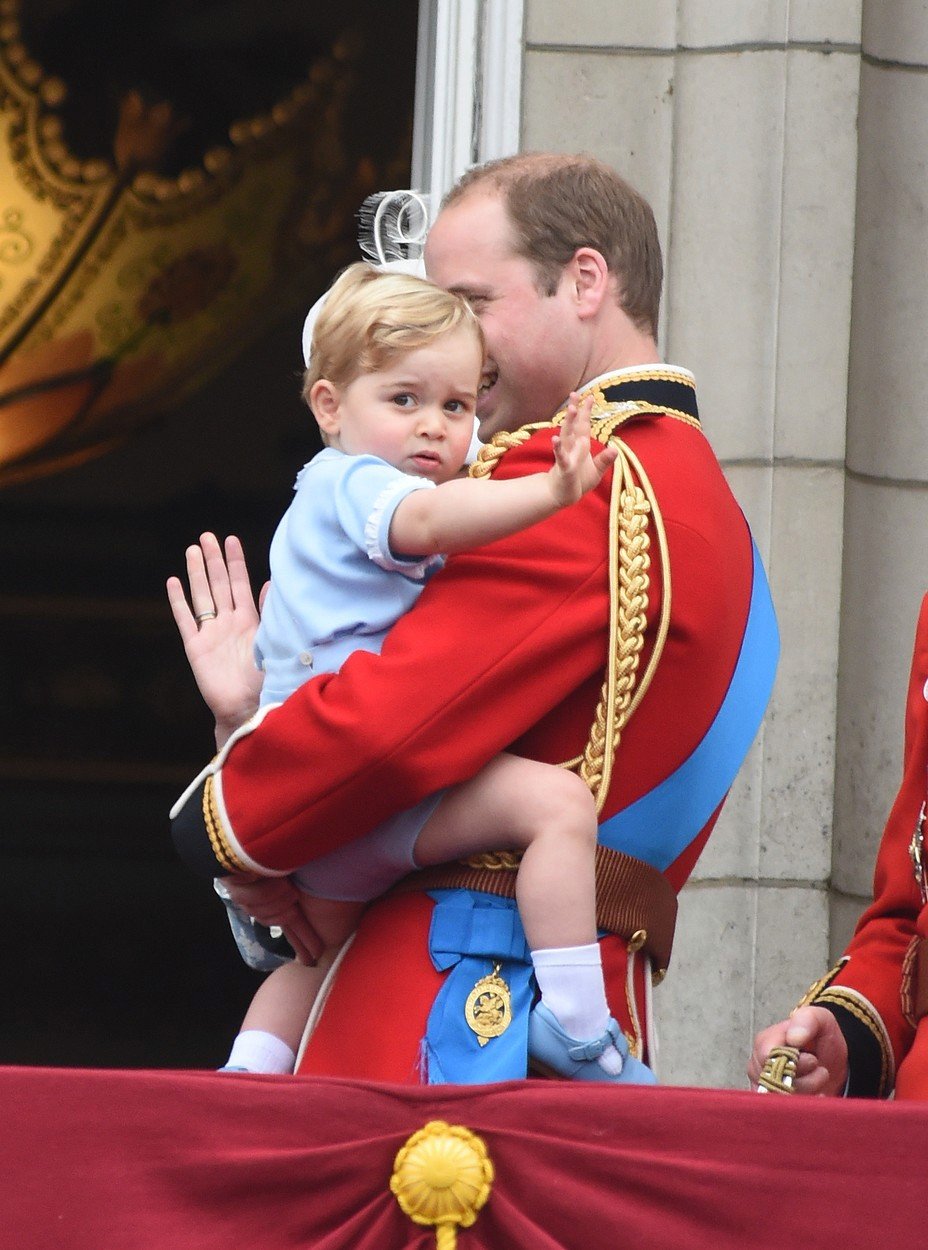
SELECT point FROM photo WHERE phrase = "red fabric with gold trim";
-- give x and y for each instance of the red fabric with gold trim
(886, 929)
(505, 649)
(200, 1161)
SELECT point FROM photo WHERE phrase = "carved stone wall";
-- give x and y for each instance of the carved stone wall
(782, 147)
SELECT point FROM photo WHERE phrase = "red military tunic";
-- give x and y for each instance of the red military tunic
(505, 650)
(873, 992)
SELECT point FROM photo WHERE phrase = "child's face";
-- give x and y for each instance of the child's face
(417, 413)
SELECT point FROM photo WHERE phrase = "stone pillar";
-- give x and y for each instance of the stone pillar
(886, 518)
(737, 120)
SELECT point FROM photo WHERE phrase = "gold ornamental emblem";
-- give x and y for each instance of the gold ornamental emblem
(488, 1010)
(442, 1177)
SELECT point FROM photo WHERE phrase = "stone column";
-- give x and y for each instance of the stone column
(886, 518)
(737, 120)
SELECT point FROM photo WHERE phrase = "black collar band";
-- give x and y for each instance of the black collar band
(661, 389)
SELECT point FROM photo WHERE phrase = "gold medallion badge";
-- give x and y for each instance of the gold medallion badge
(488, 1010)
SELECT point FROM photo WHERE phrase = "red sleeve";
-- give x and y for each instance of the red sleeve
(499, 637)
(507, 645)
(868, 989)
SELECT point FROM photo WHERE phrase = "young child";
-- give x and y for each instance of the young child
(392, 380)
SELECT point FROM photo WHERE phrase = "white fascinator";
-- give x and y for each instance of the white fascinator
(392, 226)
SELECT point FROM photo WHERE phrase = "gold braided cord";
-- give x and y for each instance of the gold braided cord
(629, 562)
(492, 452)
(633, 504)
(626, 411)
(779, 1071)
(663, 625)
(214, 831)
(495, 861)
(822, 984)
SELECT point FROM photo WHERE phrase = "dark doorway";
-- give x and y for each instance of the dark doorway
(114, 955)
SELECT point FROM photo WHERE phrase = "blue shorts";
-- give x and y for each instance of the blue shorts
(365, 869)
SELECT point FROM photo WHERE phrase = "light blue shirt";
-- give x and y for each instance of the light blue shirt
(336, 587)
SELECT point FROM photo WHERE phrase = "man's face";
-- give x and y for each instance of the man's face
(532, 362)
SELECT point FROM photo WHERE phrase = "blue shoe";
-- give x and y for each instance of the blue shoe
(552, 1052)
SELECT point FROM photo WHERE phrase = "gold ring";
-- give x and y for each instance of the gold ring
(205, 616)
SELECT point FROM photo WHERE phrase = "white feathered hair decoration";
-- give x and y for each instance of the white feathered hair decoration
(392, 226)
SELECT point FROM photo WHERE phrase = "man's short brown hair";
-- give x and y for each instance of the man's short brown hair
(559, 203)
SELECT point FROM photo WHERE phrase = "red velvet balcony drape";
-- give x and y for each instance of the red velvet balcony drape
(170, 1160)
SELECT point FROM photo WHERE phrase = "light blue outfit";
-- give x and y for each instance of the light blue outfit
(336, 587)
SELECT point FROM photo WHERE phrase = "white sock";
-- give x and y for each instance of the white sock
(257, 1051)
(570, 980)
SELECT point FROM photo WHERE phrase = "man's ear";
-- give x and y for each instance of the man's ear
(324, 399)
(590, 279)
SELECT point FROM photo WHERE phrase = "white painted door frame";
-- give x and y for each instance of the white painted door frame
(468, 89)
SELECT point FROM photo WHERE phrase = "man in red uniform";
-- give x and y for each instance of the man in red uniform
(861, 1030)
(632, 638)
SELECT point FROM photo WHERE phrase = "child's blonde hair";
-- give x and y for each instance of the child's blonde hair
(370, 317)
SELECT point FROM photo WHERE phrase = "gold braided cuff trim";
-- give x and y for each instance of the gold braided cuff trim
(822, 984)
(218, 839)
(863, 1011)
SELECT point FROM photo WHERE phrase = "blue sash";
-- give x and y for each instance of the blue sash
(660, 825)
(470, 931)
(469, 934)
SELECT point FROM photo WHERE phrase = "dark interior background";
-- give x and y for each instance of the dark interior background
(113, 953)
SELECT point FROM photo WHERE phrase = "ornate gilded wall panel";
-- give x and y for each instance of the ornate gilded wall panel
(128, 279)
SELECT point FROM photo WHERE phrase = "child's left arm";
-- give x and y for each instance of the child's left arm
(470, 512)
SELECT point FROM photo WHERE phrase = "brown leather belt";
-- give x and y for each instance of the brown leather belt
(632, 898)
(920, 979)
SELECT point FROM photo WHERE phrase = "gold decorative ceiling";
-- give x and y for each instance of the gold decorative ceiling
(122, 288)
